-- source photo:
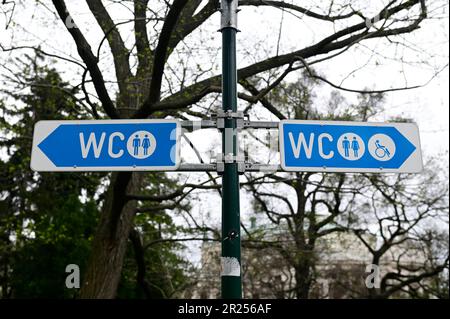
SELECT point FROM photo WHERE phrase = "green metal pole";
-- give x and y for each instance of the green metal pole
(231, 235)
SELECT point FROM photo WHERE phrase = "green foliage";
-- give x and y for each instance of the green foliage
(61, 236)
(47, 221)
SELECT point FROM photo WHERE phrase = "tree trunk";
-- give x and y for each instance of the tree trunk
(374, 293)
(103, 273)
(303, 280)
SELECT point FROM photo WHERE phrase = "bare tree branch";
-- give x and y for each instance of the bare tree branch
(88, 57)
(160, 58)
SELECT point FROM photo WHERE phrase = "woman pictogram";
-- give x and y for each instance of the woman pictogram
(146, 144)
(355, 147)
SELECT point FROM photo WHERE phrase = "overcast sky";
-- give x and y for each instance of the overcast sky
(428, 106)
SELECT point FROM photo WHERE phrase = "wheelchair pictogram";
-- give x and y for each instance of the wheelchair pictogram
(382, 147)
(381, 151)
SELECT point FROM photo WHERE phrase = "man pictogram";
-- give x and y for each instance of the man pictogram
(136, 145)
(346, 146)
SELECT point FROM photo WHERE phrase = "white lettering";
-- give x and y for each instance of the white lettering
(110, 145)
(91, 142)
(302, 142)
(321, 153)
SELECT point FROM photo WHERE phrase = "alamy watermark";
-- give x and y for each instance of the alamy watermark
(373, 279)
(69, 22)
(370, 22)
(241, 146)
(73, 279)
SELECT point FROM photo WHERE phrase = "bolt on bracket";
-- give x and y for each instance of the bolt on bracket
(221, 116)
(222, 159)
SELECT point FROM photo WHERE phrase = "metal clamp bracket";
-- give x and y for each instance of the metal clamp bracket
(221, 116)
(222, 159)
(192, 126)
(218, 121)
(230, 114)
(220, 167)
(229, 18)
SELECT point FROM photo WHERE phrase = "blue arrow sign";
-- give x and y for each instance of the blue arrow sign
(106, 145)
(349, 147)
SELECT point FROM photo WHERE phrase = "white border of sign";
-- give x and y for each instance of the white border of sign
(414, 164)
(41, 163)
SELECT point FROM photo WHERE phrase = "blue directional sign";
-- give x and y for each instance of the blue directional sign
(350, 147)
(115, 145)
